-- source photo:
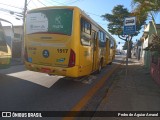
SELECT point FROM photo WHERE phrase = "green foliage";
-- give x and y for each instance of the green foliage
(146, 7)
(116, 19)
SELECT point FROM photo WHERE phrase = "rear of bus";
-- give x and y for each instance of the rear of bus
(5, 51)
(50, 45)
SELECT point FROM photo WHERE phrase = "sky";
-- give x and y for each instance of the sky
(94, 8)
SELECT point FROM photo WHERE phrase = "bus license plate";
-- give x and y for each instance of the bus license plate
(46, 70)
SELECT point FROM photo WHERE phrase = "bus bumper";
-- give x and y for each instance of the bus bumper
(62, 71)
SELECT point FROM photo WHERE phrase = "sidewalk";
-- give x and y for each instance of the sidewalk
(135, 91)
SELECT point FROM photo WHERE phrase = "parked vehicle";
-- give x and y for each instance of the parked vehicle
(5, 50)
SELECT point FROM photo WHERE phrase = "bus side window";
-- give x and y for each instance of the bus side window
(85, 32)
(111, 44)
(85, 26)
(101, 38)
(94, 39)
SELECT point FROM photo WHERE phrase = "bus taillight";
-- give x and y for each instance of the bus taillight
(72, 58)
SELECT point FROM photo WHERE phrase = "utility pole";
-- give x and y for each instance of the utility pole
(128, 45)
(24, 17)
(127, 52)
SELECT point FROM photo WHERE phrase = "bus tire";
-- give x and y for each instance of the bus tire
(110, 63)
(99, 67)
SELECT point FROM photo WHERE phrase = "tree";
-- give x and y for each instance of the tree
(149, 7)
(116, 20)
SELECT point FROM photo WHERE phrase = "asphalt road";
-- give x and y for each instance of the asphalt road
(23, 90)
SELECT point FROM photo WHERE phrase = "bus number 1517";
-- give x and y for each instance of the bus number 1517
(62, 50)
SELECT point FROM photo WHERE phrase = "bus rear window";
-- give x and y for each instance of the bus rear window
(58, 21)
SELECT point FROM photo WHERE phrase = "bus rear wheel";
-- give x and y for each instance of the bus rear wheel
(99, 67)
(110, 63)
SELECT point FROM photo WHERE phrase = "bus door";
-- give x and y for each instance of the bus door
(94, 50)
(107, 50)
(111, 50)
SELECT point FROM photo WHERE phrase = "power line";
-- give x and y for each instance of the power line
(29, 2)
(58, 2)
(49, 2)
(34, 4)
(10, 11)
(41, 3)
(4, 10)
(67, 1)
(73, 2)
(62, 4)
(5, 13)
(93, 14)
(11, 6)
(8, 14)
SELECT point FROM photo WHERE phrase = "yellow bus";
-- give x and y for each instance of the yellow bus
(63, 40)
(5, 50)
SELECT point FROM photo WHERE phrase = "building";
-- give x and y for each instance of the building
(14, 39)
(146, 40)
(18, 31)
(137, 50)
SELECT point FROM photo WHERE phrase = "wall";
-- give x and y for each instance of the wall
(151, 28)
(155, 68)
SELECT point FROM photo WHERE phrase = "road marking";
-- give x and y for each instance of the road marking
(91, 92)
(36, 77)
